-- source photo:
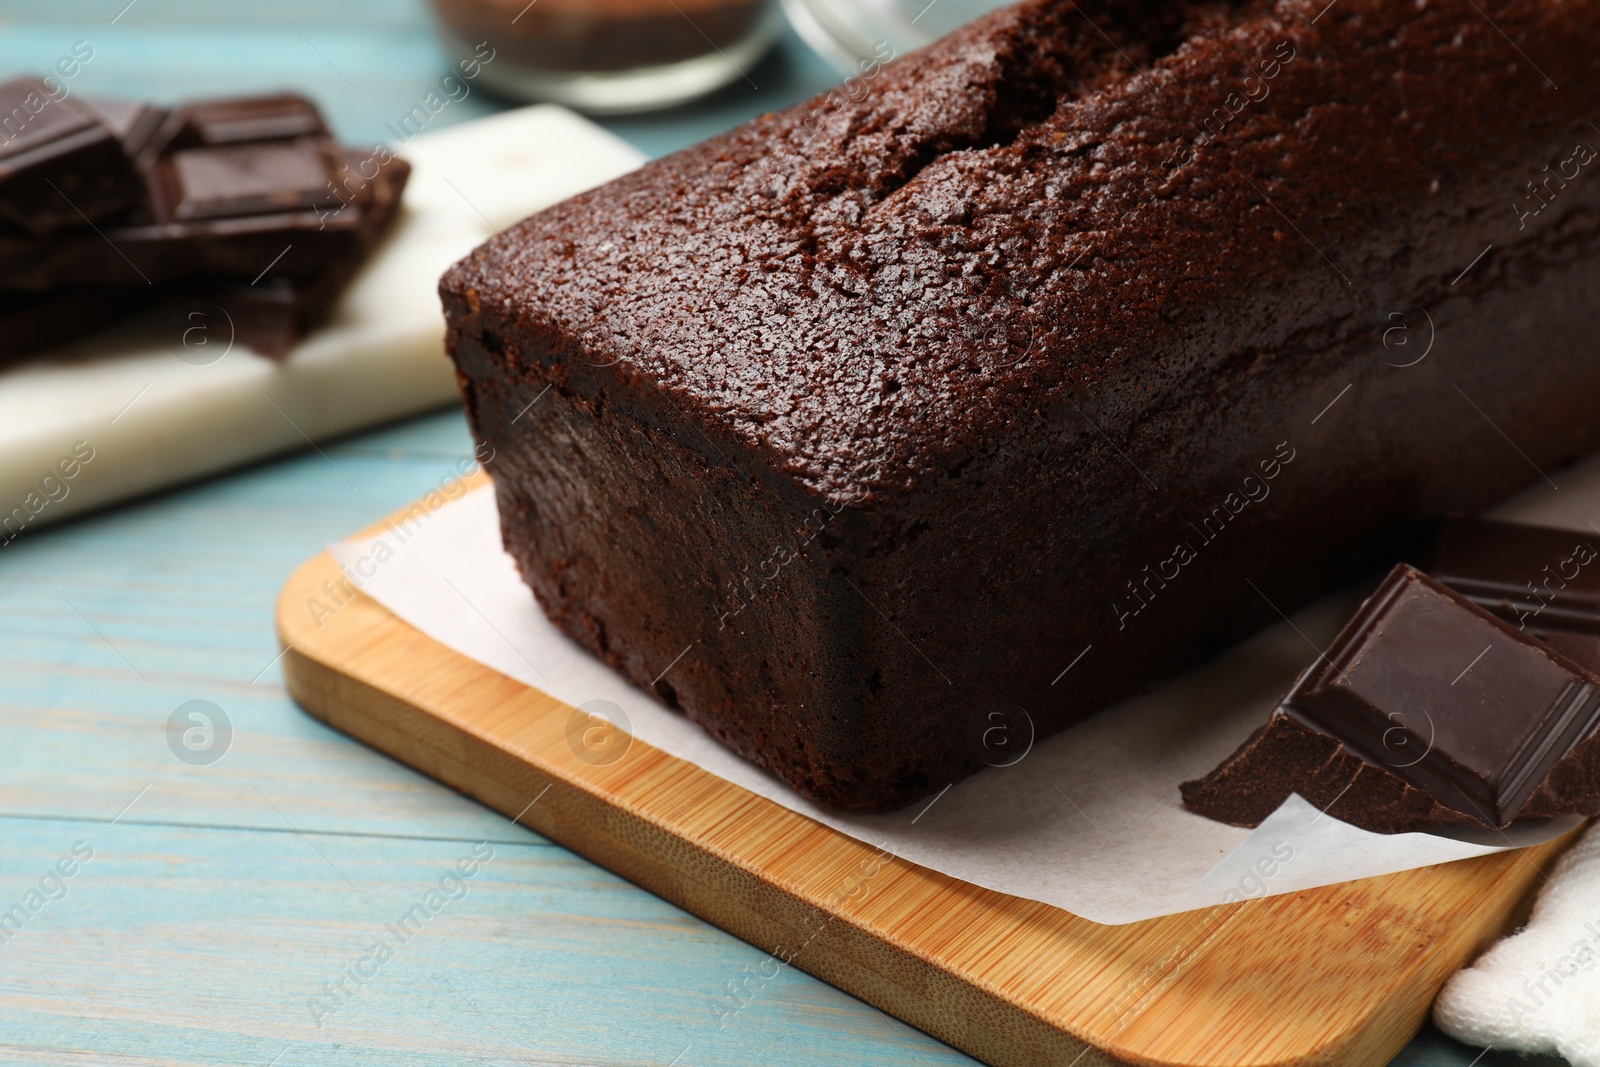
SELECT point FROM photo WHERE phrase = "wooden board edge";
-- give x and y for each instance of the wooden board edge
(648, 851)
(957, 1013)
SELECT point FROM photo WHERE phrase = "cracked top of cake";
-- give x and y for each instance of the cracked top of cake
(1112, 207)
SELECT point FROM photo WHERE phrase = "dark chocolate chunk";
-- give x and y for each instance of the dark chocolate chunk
(215, 206)
(268, 316)
(373, 202)
(239, 180)
(1581, 648)
(1537, 578)
(1534, 577)
(293, 242)
(1451, 698)
(60, 167)
(241, 120)
(1427, 711)
(244, 205)
(30, 322)
(271, 315)
(132, 122)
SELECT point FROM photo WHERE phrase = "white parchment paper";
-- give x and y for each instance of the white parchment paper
(1089, 821)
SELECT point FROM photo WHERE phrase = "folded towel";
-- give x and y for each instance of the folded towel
(1539, 989)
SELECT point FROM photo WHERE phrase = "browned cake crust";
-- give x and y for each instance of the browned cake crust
(1040, 363)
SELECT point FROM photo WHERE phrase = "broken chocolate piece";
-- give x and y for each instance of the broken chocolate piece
(241, 120)
(269, 316)
(60, 168)
(243, 204)
(215, 206)
(1537, 578)
(133, 123)
(239, 180)
(1581, 648)
(272, 316)
(1427, 711)
(1531, 576)
(291, 243)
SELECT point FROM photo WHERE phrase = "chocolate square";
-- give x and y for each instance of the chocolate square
(242, 120)
(256, 179)
(60, 167)
(1427, 711)
(1531, 576)
(1540, 579)
(132, 122)
(1447, 697)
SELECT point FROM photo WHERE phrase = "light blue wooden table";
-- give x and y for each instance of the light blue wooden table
(220, 901)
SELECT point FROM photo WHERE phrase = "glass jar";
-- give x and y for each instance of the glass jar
(608, 56)
(849, 33)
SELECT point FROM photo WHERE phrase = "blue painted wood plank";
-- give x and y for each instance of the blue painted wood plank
(178, 946)
(109, 624)
(240, 14)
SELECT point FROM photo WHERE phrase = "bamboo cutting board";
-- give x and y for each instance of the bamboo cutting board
(1337, 976)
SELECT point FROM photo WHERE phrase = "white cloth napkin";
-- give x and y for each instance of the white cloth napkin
(1539, 989)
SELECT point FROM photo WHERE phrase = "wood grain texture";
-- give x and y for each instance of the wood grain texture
(1010, 981)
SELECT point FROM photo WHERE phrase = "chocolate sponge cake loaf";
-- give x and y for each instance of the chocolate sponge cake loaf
(889, 432)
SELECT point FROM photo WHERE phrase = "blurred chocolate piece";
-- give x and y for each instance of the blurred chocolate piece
(60, 168)
(245, 205)
(269, 316)
(1528, 575)
(30, 322)
(133, 123)
(1427, 711)
(371, 204)
(244, 180)
(241, 120)
(279, 223)
(216, 205)
(1581, 648)
(1539, 579)
(293, 244)
(272, 315)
